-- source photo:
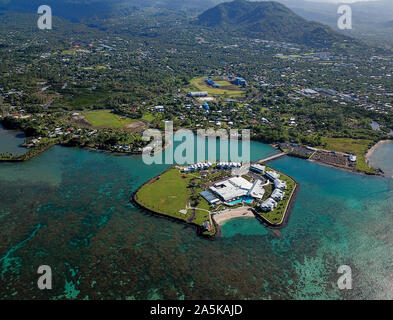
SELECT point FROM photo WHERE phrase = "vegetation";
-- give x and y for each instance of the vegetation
(257, 18)
(278, 214)
(198, 84)
(116, 73)
(170, 194)
(357, 147)
(107, 119)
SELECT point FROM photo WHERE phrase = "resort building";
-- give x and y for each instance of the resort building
(232, 189)
(272, 175)
(209, 197)
(279, 184)
(278, 195)
(258, 168)
(257, 191)
(198, 167)
(268, 205)
(228, 165)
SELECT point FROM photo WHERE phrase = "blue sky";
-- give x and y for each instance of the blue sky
(338, 1)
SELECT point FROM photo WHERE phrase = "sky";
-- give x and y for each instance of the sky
(338, 1)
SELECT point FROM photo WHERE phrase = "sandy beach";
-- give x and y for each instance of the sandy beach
(242, 212)
(370, 152)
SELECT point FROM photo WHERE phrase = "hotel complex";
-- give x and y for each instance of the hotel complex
(247, 188)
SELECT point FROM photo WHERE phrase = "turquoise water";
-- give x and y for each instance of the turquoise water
(248, 200)
(69, 209)
(10, 141)
(383, 158)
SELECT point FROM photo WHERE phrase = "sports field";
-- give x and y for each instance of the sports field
(106, 119)
(223, 83)
(199, 84)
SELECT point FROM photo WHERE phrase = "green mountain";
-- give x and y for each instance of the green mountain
(84, 9)
(268, 20)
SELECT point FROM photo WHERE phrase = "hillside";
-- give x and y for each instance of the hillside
(79, 10)
(268, 20)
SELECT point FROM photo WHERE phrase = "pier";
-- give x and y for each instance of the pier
(271, 158)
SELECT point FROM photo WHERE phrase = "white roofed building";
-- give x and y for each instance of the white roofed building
(232, 189)
(278, 195)
(258, 168)
(257, 191)
(272, 175)
(279, 184)
(198, 94)
(268, 205)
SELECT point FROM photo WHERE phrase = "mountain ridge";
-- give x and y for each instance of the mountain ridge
(270, 20)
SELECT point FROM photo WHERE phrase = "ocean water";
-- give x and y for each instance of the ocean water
(383, 158)
(69, 209)
(10, 141)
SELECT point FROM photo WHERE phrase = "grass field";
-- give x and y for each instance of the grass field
(106, 119)
(354, 146)
(148, 117)
(95, 67)
(223, 83)
(199, 84)
(169, 194)
(68, 52)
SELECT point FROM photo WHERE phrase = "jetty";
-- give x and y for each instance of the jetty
(274, 157)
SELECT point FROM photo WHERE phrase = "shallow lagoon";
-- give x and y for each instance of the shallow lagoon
(11, 141)
(382, 158)
(74, 214)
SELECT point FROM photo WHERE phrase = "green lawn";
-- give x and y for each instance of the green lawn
(167, 195)
(68, 52)
(223, 83)
(106, 119)
(148, 117)
(354, 146)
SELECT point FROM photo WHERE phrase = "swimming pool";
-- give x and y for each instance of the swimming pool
(248, 200)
